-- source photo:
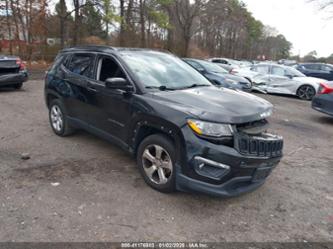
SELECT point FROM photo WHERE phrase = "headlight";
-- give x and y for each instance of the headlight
(210, 129)
(266, 114)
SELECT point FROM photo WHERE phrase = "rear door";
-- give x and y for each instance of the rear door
(262, 79)
(280, 80)
(78, 71)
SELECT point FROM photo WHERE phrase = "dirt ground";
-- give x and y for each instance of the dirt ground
(82, 188)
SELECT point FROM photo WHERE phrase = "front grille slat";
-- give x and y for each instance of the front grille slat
(265, 145)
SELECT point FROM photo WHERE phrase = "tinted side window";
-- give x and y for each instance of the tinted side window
(326, 68)
(278, 71)
(60, 59)
(219, 61)
(312, 66)
(196, 65)
(82, 64)
(262, 69)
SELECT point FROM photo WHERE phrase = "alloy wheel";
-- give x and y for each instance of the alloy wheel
(157, 164)
(56, 118)
(306, 92)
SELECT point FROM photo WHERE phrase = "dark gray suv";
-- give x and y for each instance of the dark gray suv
(185, 133)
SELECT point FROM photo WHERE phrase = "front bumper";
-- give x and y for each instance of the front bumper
(323, 103)
(234, 174)
(15, 78)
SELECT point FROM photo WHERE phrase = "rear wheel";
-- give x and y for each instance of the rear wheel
(58, 119)
(156, 158)
(306, 92)
(18, 85)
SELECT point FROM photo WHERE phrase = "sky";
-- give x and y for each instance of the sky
(299, 21)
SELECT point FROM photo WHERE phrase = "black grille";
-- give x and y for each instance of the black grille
(265, 145)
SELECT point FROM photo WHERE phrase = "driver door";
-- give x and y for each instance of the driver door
(113, 107)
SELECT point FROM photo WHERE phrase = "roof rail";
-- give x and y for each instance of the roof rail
(88, 47)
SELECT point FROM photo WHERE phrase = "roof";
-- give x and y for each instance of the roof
(318, 63)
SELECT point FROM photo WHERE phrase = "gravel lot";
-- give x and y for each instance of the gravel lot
(102, 197)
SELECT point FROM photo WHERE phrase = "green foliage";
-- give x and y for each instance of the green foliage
(91, 20)
(155, 10)
(160, 18)
(109, 12)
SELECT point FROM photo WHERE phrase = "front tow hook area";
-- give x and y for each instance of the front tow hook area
(210, 169)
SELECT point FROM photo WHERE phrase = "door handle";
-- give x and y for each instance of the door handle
(91, 87)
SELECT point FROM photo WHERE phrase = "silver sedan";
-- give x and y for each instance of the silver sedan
(273, 78)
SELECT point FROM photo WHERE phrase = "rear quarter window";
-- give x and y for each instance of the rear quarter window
(326, 68)
(312, 66)
(58, 61)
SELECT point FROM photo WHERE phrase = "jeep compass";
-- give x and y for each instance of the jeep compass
(185, 133)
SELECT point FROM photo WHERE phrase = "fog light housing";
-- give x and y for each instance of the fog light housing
(210, 169)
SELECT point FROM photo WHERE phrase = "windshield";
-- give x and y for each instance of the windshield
(295, 73)
(160, 70)
(211, 67)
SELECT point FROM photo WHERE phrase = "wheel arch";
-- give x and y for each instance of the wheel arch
(147, 127)
(50, 96)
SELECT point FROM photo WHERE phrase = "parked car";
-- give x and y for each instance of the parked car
(280, 79)
(218, 75)
(287, 62)
(225, 61)
(12, 72)
(319, 70)
(323, 101)
(185, 133)
(244, 72)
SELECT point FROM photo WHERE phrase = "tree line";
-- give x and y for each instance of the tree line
(198, 28)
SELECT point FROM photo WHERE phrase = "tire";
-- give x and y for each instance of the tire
(306, 92)
(157, 164)
(58, 119)
(18, 85)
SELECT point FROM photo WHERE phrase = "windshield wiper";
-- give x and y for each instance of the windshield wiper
(194, 86)
(161, 88)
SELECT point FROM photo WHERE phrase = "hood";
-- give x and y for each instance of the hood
(309, 80)
(216, 104)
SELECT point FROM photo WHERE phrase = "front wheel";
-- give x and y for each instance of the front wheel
(306, 92)
(156, 158)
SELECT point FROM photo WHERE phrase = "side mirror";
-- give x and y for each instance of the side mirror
(289, 76)
(118, 84)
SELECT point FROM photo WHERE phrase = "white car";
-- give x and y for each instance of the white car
(280, 79)
(235, 68)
